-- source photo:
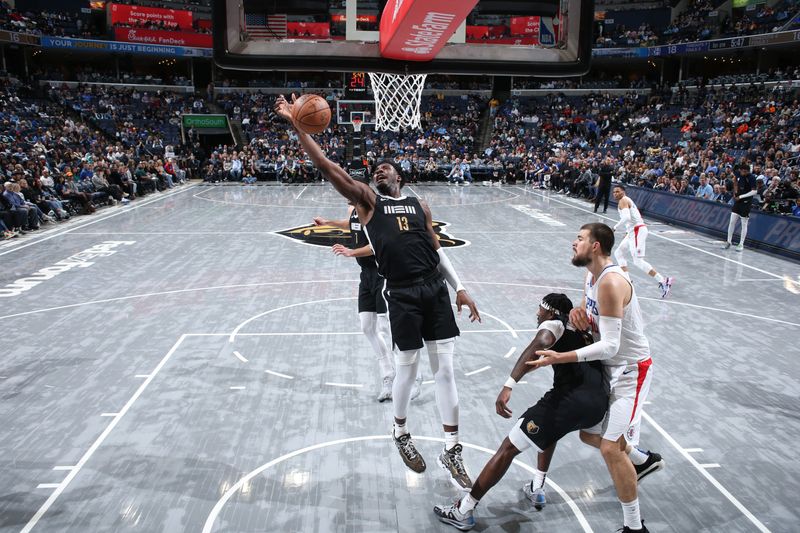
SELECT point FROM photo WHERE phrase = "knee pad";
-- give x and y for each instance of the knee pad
(406, 357)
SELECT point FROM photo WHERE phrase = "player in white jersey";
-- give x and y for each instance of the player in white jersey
(611, 311)
(635, 240)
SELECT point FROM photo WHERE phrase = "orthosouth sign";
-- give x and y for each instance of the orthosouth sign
(79, 260)
(204, 122)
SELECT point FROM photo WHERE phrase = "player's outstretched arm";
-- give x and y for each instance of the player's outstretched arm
(364, 251)
(449, 273)
(341, 224)
(356, 192)
(544, 339)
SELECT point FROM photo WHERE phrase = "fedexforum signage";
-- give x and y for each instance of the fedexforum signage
(79, 260)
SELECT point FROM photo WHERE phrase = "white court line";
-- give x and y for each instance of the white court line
(345, 385)
(93, 448)
(109, 414)
(236, 487)
(145, 376)
(761, 527)
(510, 351)
(301, 193)
(64, 467)
(695, 248)
(100, 218)
(173, 232)
(412, 190)
(232, 335)
(48, 485)
(710, 465)
(693, 450)
(760, 279)
(237, 387)
(429, 382)
(484, 369)
(278, 374)
(240, 357)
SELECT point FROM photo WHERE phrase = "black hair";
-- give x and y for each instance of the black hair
(560, 304)
(396, 167)
(619, 186)
(601, 233)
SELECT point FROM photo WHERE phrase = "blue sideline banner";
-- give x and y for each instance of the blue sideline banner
(126, 48)
(773, 233)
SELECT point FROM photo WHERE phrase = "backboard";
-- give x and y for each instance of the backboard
(504, 37)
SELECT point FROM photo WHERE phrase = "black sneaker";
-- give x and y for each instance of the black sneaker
(626, 529)
(409, 453)
(654, 463)
(453, 464)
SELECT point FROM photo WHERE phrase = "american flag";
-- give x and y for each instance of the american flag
(265, 27)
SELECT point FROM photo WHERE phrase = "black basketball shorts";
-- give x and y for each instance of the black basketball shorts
(370, 292)
(420, 311)
(743, 207)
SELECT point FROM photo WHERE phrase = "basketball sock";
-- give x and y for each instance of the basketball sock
(371, 325)
(630, 514)
(467, 503)
(638, 457)
(538, 479)
(744, 231)
(400, 429)
(731, 227)
(440, 354)
(385, 359)
(407, 363)
(659, 278)
(450, 439)
(643, 265)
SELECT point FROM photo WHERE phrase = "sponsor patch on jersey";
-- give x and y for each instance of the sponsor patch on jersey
(329, 235)
(631, 432)
(532, 428)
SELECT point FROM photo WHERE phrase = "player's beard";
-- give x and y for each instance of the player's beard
(384, 188)
(581, 260)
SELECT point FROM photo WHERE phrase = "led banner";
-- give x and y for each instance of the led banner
(308, 29)
(20, 38)
(124, 14)
(477, 32)
(168, 38)
(87, 45)
(527, 26)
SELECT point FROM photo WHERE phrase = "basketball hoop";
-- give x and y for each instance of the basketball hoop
(357, 122)
(397, 99)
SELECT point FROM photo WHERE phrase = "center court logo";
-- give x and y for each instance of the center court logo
(79, 260)
(328, 235)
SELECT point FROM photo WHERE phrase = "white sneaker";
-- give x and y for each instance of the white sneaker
(536, 496)
(739, 247)
(417, 388)
(386, 389)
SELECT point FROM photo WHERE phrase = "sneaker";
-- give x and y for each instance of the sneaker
(449, 514)
(417, 387)
(654, 463)
(626, 529)
(386, 389)
(409, 453)
(451, 461)
(726, 246)
(740, 247)
(536, 496)
(665, 286)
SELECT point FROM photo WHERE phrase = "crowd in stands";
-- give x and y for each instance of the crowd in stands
(106, 75)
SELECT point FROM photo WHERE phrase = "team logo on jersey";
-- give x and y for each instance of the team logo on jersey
(532, 428)
(329, 235)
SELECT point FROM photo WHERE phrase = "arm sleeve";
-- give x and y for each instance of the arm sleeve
(446, 268)
(608, 345)
(747, 194)
(624, 216)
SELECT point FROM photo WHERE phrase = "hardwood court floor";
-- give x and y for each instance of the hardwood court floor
(184, 367)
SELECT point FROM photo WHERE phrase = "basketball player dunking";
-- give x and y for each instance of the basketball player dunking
(415, 267)
(610, 308)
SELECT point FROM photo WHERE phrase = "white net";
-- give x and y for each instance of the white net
(397, 99)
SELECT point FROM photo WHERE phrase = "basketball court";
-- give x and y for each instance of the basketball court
(198, 370)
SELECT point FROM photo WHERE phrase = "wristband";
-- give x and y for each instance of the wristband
(510, 382)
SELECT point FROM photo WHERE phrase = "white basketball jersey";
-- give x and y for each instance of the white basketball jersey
(636, 217)
(633, 345)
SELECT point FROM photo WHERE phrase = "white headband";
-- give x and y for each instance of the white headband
(547, 307)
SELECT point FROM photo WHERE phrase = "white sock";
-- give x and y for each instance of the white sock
(630, 514)
(638, 457)
(467, 503)
(538, 479)
(731, 227)
(400, 429)
(450, 439)
(659, 278)
(744, 231)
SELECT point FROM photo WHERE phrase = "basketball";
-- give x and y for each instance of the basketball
(311, 113)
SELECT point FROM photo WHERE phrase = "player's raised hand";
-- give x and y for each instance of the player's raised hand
(341, 249)
(283, 108)
(319, 221)
(462, 299)
(579, 319)
(501, 404)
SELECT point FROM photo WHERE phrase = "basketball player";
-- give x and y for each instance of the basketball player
(400, 231)
(371, 305)
(744, 188)
(635, 240)
(578, 399)
(611, 310)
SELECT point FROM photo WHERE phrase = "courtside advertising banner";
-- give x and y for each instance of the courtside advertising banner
(132, 15)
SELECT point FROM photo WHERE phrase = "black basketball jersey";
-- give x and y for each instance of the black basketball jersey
(358, 239)
(572, 374)
(399, 236)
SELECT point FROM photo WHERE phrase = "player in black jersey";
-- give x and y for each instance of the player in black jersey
(400, 231)
(371, 305)
(578, 399)
(744, 188)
